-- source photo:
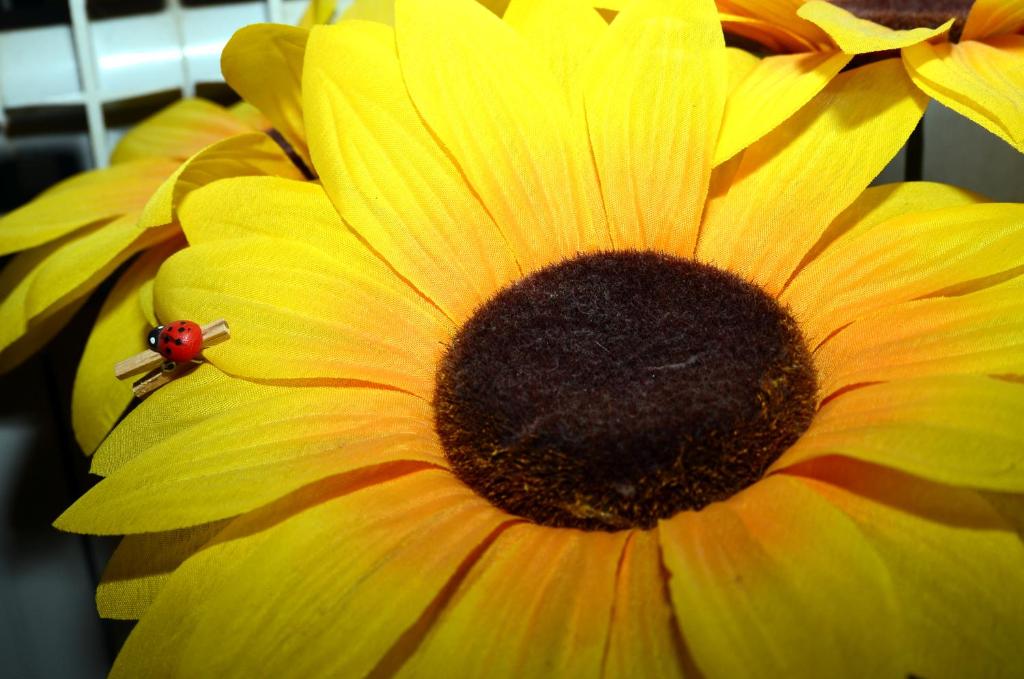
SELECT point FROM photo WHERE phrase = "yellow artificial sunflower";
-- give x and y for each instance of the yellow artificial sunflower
(524, 388)
(77, 233)
(967, 55)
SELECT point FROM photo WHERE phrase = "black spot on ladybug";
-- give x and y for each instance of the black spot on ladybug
(178, 342)
(167, 351)
(181, 329)
(165, 338)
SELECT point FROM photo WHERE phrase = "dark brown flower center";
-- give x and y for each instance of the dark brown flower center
(616, 389)
(907, 14)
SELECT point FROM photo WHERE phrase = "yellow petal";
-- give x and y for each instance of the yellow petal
(381, 11)
(776, 39)
(263, 63)
(963, 430)
(178, 131)
(1010, 506)
(979, 333)
(739, 64)
(878, 204)
(250, 115)
(775, 582)
(82, 200)
(388, 177)
(989, 18)
(320, 12)
(781, 13)
(983, 81)
(642, 617)
(527, 616)
(904, 258)
(954, 563)
(245, 155)
(297, 313)
(211, 472)
(99, 398)
(208, 393)
(795, 181)
(82, 264)
(495, 105)
(777, 88)
(265, 206)
(653, 138)
(37, 283)
(37, 335)
(141, 566)
(563, 33)
(859, 36)
(322, 576)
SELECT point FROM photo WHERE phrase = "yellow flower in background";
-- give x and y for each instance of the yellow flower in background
(966, 55)
(401, 465)
(76, 234)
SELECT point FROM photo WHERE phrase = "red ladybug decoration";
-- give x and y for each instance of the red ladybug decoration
(179, 341)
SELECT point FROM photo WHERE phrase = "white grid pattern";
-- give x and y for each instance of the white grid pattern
(93, 63)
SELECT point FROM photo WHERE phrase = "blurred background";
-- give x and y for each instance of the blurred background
(73, 76)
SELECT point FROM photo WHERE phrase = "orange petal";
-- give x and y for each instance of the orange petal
(777, 582)
(904, 258)
(961, 430)
(781, 13)
(642, 617)
(527, 616)
(983, 81)
(762, 231)
(878, 204)
(954, 562)
(989, 18)
(776, 39)
(979, 333)
(309, 577)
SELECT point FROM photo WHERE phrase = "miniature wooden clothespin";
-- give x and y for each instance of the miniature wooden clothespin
(172, 347)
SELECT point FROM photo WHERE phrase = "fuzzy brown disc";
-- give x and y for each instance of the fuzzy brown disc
(616, 389)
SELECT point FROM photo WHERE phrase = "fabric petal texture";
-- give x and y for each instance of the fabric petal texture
(348, 485)
(668, 161)
(263, 63)
(859, 36)
(452, 63)
(983, 81)
(99, 398)
(388, 177)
